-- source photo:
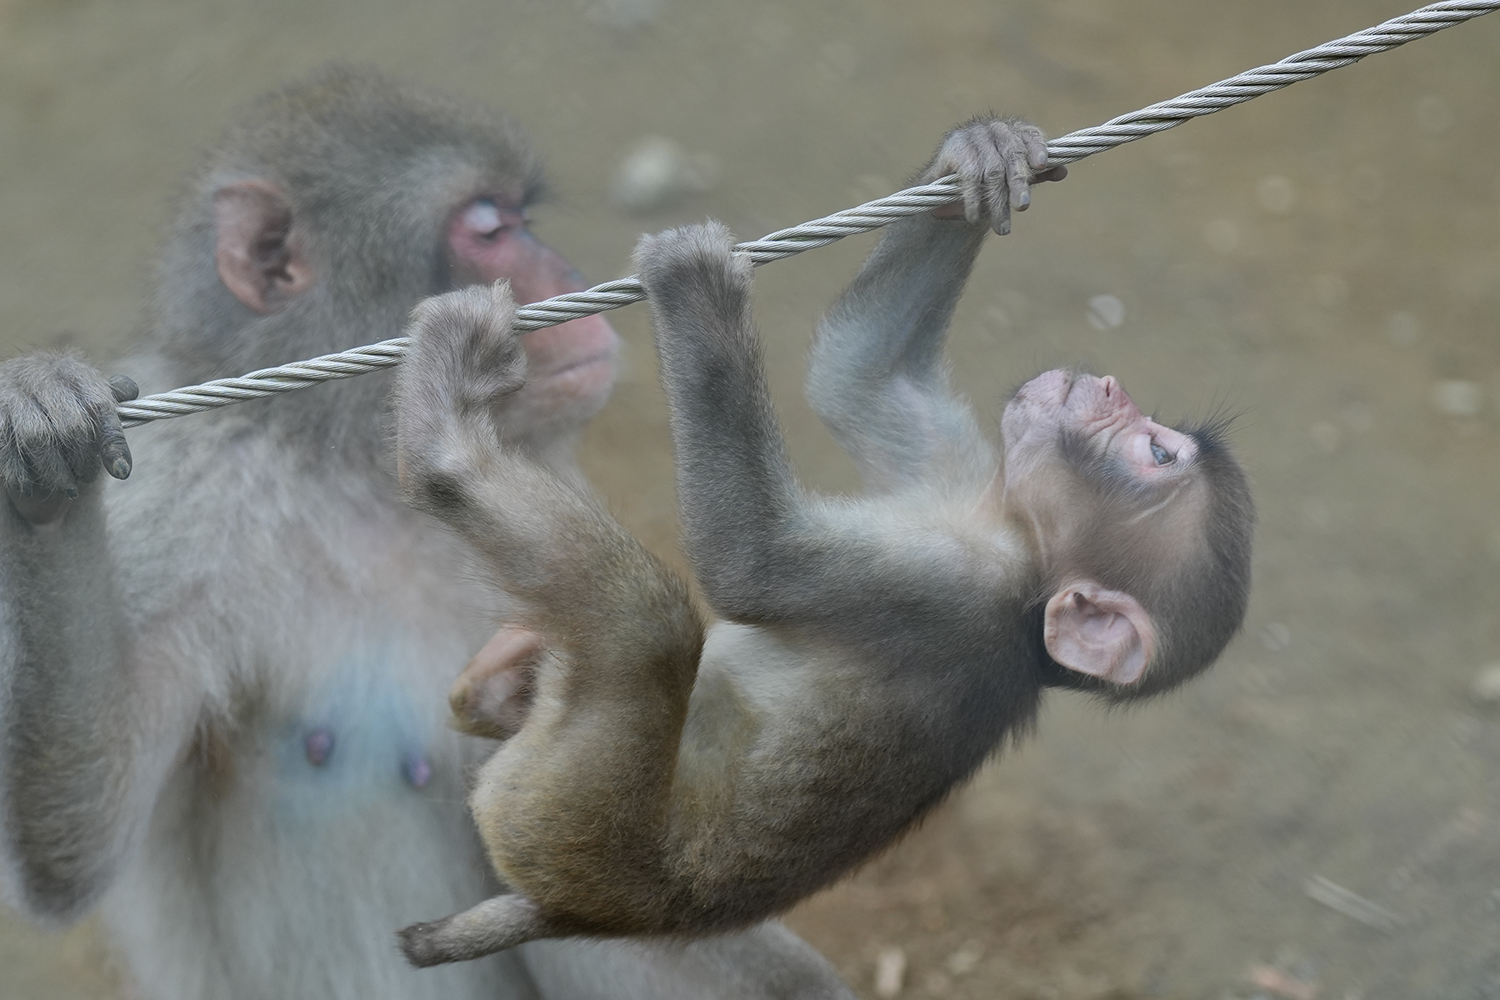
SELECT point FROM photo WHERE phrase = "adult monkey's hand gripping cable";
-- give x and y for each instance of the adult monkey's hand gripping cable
(872, 215)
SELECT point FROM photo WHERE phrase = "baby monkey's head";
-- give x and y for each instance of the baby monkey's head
(1141, 533)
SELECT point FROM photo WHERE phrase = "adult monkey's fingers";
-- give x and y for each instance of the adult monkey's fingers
(114, 452)
(1002, 224)
(997, 199)
(1036, 148)
(81, 455)
(49, 469)
(124, 388)
(13, 468)
(972, 182)
(1018, 179)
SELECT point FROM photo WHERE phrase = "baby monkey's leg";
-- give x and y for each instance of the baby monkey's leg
(590, 696)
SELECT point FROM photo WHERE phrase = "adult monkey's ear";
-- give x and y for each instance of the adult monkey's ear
(1103, 633)
(257, 250)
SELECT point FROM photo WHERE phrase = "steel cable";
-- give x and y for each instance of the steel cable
(862, 219)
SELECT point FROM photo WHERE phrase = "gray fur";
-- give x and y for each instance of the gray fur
(647, 795)
(166, 641)
(874, 651)
(901, 627)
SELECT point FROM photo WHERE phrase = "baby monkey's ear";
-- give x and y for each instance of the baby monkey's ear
(1103, 633)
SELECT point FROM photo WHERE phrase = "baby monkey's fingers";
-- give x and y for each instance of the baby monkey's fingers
(996, 161)
(1036, 158)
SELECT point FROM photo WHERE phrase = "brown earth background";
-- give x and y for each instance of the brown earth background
(1323, 261)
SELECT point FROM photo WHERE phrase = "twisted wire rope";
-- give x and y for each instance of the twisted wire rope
(864, 218)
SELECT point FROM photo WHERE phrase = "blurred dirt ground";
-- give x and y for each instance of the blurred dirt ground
(1324, 262)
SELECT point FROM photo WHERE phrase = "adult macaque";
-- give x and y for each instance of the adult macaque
(874, 651)
(221, 712)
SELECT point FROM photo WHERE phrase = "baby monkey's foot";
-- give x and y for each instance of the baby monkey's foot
(493, 695)
(494, 925)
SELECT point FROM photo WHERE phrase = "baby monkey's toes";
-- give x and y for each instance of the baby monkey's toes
(494, 925)
(464, 345)
(493, 695)
(698, 258)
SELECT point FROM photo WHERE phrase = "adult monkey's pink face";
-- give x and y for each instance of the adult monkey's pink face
(1095, 483)
(571, 367)
(262, 258)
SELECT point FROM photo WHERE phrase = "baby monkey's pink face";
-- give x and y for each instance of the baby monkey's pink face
(1088, 474)
(1101, 413)
(1109, 500)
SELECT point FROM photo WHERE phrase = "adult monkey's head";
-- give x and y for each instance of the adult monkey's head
(338, 203)
(1141, 533)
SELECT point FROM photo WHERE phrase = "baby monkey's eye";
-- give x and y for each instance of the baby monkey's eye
(1162, 456)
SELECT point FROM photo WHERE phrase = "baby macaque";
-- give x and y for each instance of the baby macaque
(872, 653)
